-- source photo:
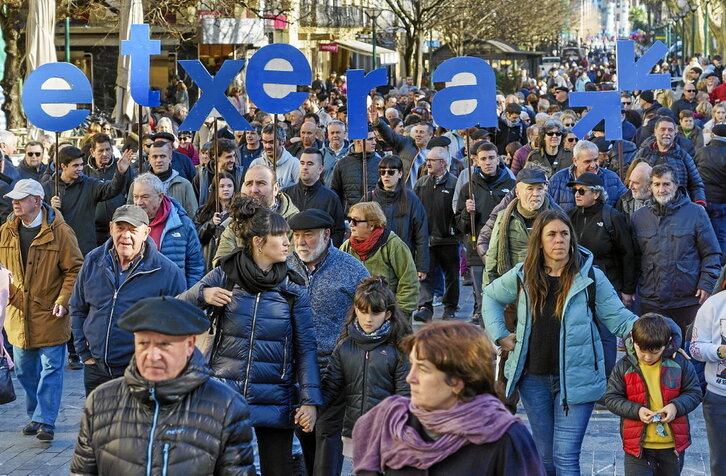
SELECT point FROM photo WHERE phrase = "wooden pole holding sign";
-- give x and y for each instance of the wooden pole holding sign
(141, 142)
(472, 214)
(621, 161)
(364, 164)
(215, 140)
(274, 144)
(57, 166)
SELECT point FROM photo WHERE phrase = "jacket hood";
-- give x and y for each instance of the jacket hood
(52, 216)
(284, 158)
(92, 163)
(171, 391)
(179, 208)
(669, 208)
(502, 176)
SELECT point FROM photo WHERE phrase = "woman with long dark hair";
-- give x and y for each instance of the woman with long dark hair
(264, 346)
(551, 155)
(209, 220)
(556, 356)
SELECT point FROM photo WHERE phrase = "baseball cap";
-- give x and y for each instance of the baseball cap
(25, 187)
(131, 214)
(587, 179)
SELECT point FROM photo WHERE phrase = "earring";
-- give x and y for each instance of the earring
(259, 250)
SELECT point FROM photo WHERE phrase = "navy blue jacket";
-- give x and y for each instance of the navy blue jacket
(266, 348)
(686, 172)
(100, 297)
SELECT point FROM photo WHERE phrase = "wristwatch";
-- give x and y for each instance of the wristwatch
(718, 353)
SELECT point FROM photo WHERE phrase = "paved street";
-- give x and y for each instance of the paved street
(24, 455)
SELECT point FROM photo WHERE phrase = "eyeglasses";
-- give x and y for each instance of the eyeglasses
(389, 172)
(184, 138)
(552, 134)
(570, 124)
(149, 144)
(627, 103)
(34, 154)
(435, 160)
(689, 90)
(579, 191)
(573, 139)
(354, 222)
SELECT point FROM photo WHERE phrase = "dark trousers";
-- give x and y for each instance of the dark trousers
(714, 414)
(664, 462)
(447, 258)
(609, 347)
(683, 316)
(323, 448)
(71, 346)
(275, 448)
(96, 374)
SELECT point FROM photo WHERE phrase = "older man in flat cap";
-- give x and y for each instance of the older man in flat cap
(166, 415)
(331, 277)
(115, 276)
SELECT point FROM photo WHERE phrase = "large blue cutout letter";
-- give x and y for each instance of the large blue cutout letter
(483, 92)
(635, 75)
(605, 105)
(359, 84)
(271, 74)
(34, 96)
(213, 96)
(140, 48)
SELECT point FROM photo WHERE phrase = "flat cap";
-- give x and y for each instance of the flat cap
(438, 141)
(562, 88)
(531, 176)
(311, 219)
(599, 127)
(719, 130)
(165, 315)
(647, 96)
(603, 145)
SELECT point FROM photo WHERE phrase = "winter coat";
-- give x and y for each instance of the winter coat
(287, 168)
(266, 350)
(687, 174)
(678, 252)
(190, 425)
(78, 203)
(562, 194)
(183, 165)
(105, 209)
(629, 151)
(403, 146)
(204, 180)
(537, 160)
(53, 262)
(25, 171)
(296, 148)
(209, 235)
(581, 367)
(711, 163)
(627, 393)
(487, 195)
(177, 188)
(627, 205)
(247, 156)
(392, 258)
(506, 134)
(695, 136)
(612, 249)
(331, 286)
(366, 370)
(683, 105)
(513, 453)
(318, 196)
(100, 297)
(228, 241)
(411, 226)
(330, 158)
(179, 243)
(347, 177)
(436, 196)
(707, 337)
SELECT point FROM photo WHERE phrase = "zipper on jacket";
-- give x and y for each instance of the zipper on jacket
(284, 361)
(365, 379)
(592, 337)
(252, 342)
(166, 459)
(152, 433)
(565, 406)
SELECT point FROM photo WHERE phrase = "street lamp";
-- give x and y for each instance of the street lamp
(373, 13)
(693, 7)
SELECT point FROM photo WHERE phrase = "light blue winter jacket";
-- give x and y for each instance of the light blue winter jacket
(582, 368)
(180, 243)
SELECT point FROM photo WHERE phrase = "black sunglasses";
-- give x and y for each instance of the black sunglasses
(579, 191)
(389, 172)
(34, 154)
(354, 222)
(552, 134)
(572, 139)
(627, 103)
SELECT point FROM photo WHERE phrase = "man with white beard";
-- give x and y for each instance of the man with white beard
(638, 194)
(680, 257)
(331, 277)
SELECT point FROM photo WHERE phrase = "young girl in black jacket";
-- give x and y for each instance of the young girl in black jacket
(366, 365)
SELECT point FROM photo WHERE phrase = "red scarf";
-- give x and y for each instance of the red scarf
(363, 247)
(157, 224)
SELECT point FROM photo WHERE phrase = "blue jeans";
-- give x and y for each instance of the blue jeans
(714, 414)
(558, 437)
(40, 372)
(717, 214)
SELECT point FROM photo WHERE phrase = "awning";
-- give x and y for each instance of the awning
(385, 56)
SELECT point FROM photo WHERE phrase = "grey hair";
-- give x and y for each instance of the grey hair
(442, 153)
(338, 123)
(584, 145)
(393, 109)
(152, 181)
(8, 137)
(603, 198)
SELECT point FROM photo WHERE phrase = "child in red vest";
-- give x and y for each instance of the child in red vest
(652, 389)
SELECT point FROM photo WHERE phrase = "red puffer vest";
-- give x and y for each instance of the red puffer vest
(670, 387)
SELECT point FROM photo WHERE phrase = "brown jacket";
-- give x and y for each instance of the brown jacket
(54, 260)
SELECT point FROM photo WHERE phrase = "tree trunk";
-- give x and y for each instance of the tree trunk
(14, 69)
(408, 55)
(419, 57)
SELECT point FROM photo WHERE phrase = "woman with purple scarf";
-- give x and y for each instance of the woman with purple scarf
(453, 423)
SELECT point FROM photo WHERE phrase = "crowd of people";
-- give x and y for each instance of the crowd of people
(240, 299)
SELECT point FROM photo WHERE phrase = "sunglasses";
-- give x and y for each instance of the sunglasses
(34, 154)
(568, 125)
(627, 103)
(689, 90)
(185, 138)
(389, 172)
(354, 222)
(572, 139)
(579, 191)
(553, 134)
(149, 144)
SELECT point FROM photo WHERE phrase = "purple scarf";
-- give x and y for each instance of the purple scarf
(382, 439)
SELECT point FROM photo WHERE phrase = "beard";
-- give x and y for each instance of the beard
(665, 200)
(315, 253)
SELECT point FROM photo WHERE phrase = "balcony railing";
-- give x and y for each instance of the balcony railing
(330, 16)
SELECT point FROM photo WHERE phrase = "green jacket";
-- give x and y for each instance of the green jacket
(228, 241)
(518, 241)
(394, 261)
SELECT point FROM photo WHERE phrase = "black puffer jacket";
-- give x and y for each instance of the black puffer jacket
(411, 226)
(267, 350)
(347, 177)
(711, 163)
(613, 251)
(488, 193)
(366, 369)
(105, 209)
(189, 425)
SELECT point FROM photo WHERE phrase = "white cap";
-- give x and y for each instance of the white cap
(26, 187)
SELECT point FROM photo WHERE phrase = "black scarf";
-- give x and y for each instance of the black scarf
(244, 272)
(164, 176)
